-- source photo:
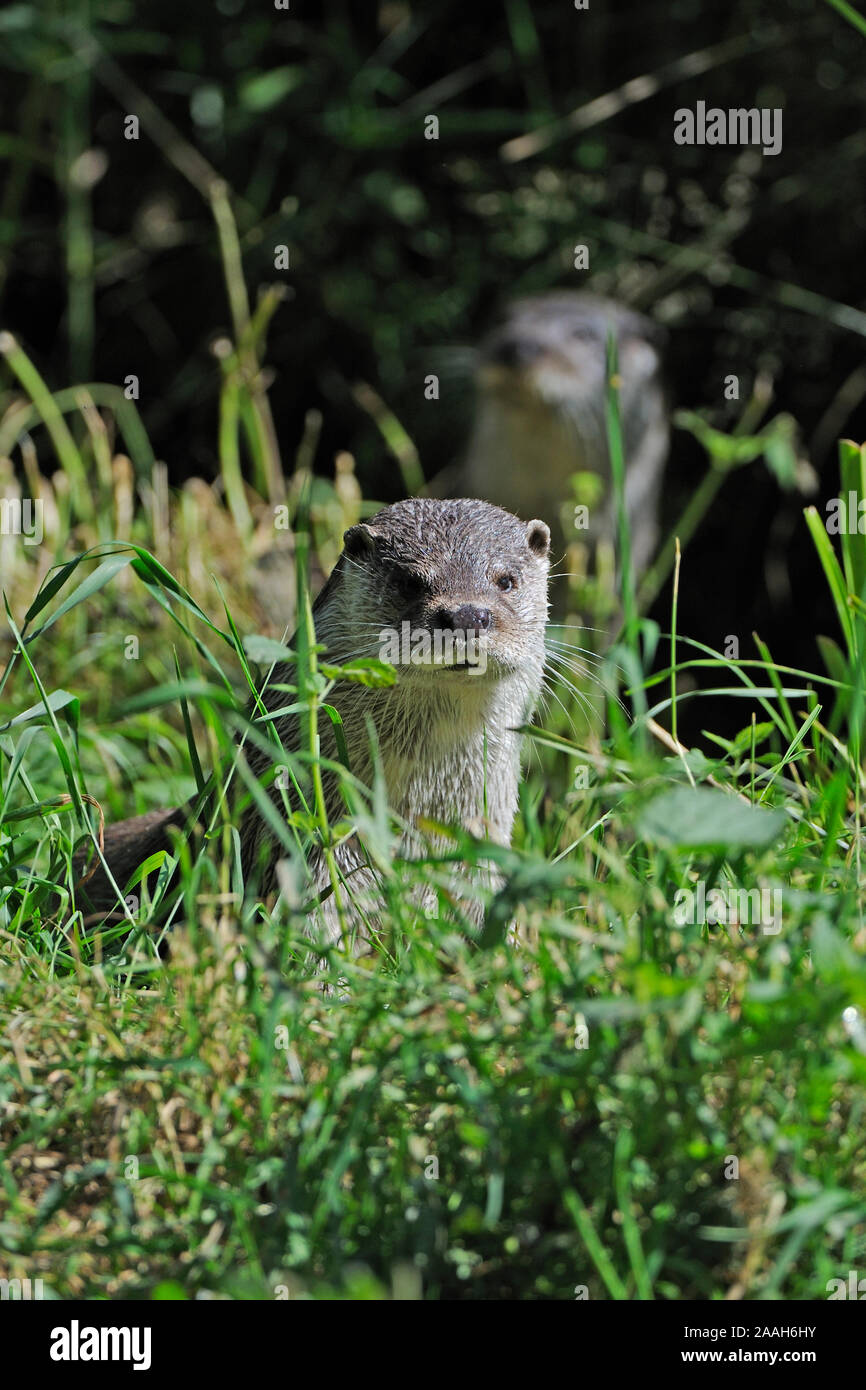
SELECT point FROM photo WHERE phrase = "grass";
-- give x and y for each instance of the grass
(187, 1111)
(627, 1104)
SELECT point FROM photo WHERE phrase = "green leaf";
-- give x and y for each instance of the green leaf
(37, 808)
(265, 89)
(833, 658)
(833, 573)
(473, 1134)
(190, 738)
(264, 651)
(192, 689)
(367, 671)
(91, 585)
(169, 1289)
(725, 450)
(701, 817)
(852, 468)
(339, 735)
(57, 700)
(781, 457)
(50, 587)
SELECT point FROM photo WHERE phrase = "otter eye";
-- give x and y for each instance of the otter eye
(506, 582)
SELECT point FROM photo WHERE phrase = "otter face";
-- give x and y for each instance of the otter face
(549, 353)
(448, 591)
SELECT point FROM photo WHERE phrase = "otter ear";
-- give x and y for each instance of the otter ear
(359, 541)
(538, 537)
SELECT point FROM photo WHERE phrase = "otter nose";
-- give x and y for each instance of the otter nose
(467, 618)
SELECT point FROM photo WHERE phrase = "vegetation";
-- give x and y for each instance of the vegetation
(630, 1098)
(185, 1107)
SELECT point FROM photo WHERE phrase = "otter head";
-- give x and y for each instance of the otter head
(444, 590)
(549, 353)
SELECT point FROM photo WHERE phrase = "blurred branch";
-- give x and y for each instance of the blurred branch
(215, 190)
(20, 418)
(74, 179)
(605, 107)
(178, 151)
(25, 153)
(65, 447)
(394, 435)
(696, 258)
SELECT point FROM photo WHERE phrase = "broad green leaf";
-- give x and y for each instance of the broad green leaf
(702, 817)
(264, 651)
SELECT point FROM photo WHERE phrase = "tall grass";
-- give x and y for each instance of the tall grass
(632, 1102)
(186, 1110)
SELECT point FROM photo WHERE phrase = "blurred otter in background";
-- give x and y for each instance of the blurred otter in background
(540, 378)
(540, 417)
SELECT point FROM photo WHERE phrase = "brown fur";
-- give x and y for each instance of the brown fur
(447, 738)
(540, 415)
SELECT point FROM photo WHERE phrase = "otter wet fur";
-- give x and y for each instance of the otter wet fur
(445, 735)
(540, 414)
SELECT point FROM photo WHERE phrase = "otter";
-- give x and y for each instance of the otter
(446, 734)
(540, 416)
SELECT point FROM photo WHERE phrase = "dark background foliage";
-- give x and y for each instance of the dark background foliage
(401, 247)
